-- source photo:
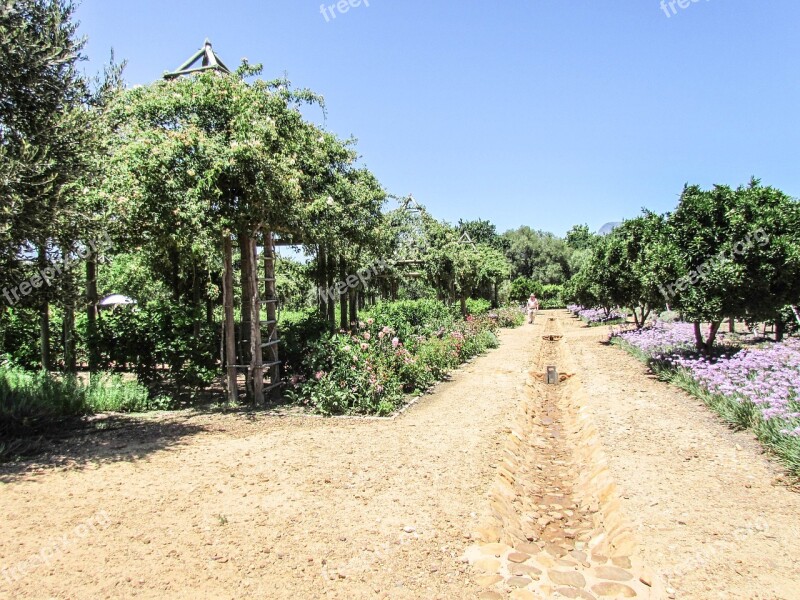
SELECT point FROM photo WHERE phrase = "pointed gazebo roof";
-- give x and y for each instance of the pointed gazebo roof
(204, 59)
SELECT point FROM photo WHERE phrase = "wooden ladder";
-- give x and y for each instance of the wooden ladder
(272, 362)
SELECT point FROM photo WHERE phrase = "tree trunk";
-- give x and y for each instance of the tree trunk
(196, 301)
(698, 337)
(70, 359)
(731, 325)
(232, 385)
(44, 316)
(256, 370)
(496, 301)
(343, 315)
(272, 309)
(91, 314)
(780, 328)
(44, 334)
(353, 310)
(247, 297)
(322, 267)
(463, 300)
(331, 304)
(707, 346)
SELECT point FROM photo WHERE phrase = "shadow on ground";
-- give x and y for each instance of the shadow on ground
(80, 443)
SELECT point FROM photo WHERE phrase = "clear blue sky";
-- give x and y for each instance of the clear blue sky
(525, 112)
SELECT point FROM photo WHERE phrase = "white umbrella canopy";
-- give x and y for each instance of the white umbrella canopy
(116, 300)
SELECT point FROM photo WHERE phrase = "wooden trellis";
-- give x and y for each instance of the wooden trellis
(253, 346)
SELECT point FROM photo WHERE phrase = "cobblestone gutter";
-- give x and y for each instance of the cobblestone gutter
(556, 528)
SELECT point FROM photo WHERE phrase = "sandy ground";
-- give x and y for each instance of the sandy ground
(713, 512)
(223, 507)
(264, 506)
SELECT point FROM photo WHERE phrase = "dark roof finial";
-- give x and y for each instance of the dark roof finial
(208, 59)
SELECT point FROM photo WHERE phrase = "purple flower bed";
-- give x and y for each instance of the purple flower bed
(660, 339)
(595, 316)
(768, 376)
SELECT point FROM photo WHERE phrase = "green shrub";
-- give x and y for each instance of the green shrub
(298, 331)
(523, 287)
(410, 318)
(509, 316)
(552, 296)
(478, 306)
(31, 402)
(369, 371)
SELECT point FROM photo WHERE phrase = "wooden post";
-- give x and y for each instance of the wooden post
(245, 342)
(70, 365)
(354, 310)
(229, 326)
(331, 306)
(256, 370)
(270, 292)
(91, 313)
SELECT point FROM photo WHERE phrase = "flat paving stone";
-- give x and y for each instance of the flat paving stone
(488, 580)
(612, 573)
(575, 593)
(525, 571)
(622, 561)
(487, 565)
(524, 595)
(519, 582)
(608, 589)
(518, 557)
(570, 578)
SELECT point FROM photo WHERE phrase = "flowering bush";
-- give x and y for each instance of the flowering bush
(660, 340)
(767, 377)
(350, 375)
(756, 388)
(368, 371)
(509, 316)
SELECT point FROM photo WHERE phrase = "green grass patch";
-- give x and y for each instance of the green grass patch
(31, 402)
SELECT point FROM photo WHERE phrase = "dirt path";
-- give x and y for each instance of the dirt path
(713, 513)
(495, 486)
(274, 507)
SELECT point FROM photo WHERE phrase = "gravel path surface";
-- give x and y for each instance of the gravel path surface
(714, 514)
(193, 505)
(297, 507)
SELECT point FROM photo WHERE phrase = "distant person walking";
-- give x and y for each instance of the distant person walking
(533, 308)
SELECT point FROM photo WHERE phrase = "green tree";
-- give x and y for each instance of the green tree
(631, 262)
(738, 251)
(538, 255)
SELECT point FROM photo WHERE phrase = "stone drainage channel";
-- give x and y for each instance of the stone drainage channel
(556, 528)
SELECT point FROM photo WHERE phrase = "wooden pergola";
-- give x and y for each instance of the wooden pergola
(248, 355)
